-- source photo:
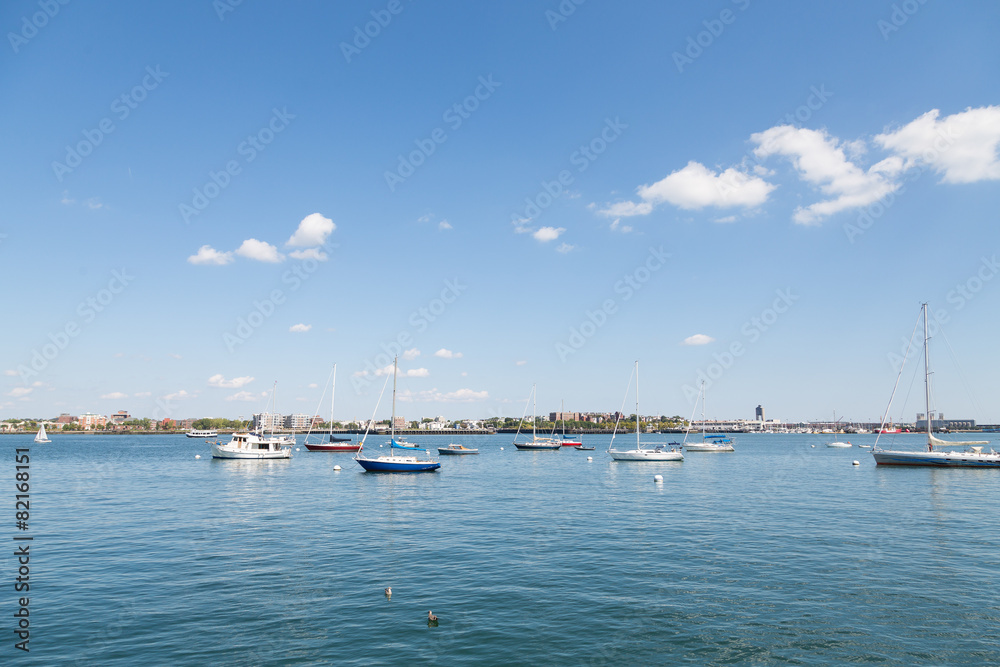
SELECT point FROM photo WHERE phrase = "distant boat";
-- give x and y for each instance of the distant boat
(658, 452)
(836, 443)
(567, 440)
(584, 449)
(336, 444)
(41, 436)
(709, 443)
(456, 450)
(536, 442)
(972, 457)
(392, 462)
(205, 433)
(255, 445)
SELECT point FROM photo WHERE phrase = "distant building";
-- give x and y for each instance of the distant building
(316, 421)
(568, 416)
(120, 417)
(940, 423)
(759, 414)
(399, 423)
(185, 424)
(267, 421)
(66, 418)
(90, 421)
(296, 421)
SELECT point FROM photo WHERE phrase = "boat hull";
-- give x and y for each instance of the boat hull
(529, 446)
(222, 453)
(709, 448)
(884, 457)
(333, 448)
(645, 455)
(445, 451)
(839, 445)
(388, 464)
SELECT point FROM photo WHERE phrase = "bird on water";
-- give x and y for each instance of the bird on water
(432, 620)
(388, 592)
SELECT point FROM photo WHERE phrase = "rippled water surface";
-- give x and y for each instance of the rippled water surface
(779, 553)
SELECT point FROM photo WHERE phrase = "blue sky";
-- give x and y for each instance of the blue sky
(519, 193)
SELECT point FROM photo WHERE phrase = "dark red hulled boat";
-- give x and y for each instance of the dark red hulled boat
(333, 447)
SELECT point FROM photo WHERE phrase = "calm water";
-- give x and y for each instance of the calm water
(776, 554)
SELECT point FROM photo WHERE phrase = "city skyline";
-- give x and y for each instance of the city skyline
(183, 227)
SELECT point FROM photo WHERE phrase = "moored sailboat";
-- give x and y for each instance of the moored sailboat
(709, 443)
(656, 452)
(335, 444)
(41, 435)
(972, 457)
(392, 462)
(536, 443)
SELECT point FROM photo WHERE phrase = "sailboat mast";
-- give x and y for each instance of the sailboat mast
(927, 376)
(562, 413)
(392, 424)
(534, 409)
(333, 395)
(702, 409)
(637, 404)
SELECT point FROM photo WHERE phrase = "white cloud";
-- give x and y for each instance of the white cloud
(312, 231)
(546, 234)
(520, 363)
(93, 204)
(412, 373)
(209, 255)
(626, 209)
(174, 355)
(448, 354)
(143, 394)
(616, 226)
(728, 218)
(309, 253)
(820, 160)
(10, 372)
(17, 392)
(962, 147)
(313, 385)
(433, 395)
(114, 395)
(521, 225)
(443, 225)
(220, 381)
(426, 217)
(246, 396)
(300, 328)
(695, 187)
(698, 339)
(260, 251)
(411, 354)
(565, 248)
(178, 395)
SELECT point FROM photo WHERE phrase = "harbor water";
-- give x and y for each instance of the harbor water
(779, 553)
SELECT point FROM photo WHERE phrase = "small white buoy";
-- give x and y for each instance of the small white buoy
(813, 446)
(197, 456)
(337, 468)
(658, 479)
(297, 449)
(501, 449)
(380, 446)
(856, 463)
(590, 458)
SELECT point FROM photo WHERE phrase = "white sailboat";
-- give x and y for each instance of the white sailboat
(972, 457)
(41, 436)
(654, 451)
(536, 442)
(393, 462)
(837, 443)
(714, 443)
